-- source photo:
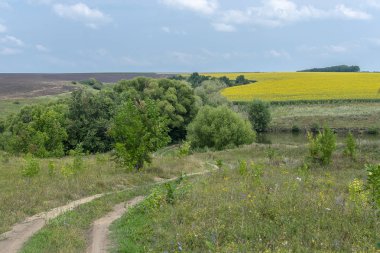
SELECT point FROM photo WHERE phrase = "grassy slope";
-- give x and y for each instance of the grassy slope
(345, 116)
(230, 212)
(21, 197)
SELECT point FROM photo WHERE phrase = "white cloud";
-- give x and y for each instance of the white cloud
(221, 27)
(3, 28)
(274, 13)
(200, 6)
(92, 18)
(11, 40)
(42, 48)
(351, 14)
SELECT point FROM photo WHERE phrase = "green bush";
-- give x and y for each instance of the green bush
(373, 182)
(350, 149)
(259, 115)
(322, 146)
(219, 128)
(31, 167)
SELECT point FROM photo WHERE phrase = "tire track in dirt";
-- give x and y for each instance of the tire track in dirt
(99, 235)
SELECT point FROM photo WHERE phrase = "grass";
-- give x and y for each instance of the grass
(69, 232)
(343, 116)
(22, 197)
(304, 86)
(287, 208)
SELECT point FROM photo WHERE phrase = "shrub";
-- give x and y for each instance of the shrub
(219, 128)
(373, 182)
(184, 149)
(322, 146)
(350, 149)
(241, 80)
(31, 168)
(259, 115)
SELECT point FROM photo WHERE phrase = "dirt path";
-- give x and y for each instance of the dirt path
(12, 241)
(99, 235)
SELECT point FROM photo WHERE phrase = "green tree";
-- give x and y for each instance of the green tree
(138, 129)
(38, 130)
(88, 120)
(350, 149)
(209, 92)
(175, 100)
(241, 80)
(259, 115)
(322, 146)
(219, 128)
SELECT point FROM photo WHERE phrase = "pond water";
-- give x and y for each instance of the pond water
(301, 138)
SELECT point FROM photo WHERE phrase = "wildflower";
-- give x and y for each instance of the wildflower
(299, 179)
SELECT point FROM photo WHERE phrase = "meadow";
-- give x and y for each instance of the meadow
(304, 86)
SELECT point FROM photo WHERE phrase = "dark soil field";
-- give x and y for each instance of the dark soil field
(35, 85)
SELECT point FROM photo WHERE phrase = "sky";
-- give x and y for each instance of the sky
(58, 36)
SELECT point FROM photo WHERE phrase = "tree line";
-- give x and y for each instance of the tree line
(339, 68)
(133, 119)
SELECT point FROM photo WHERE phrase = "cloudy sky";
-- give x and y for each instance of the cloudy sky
(187, 35)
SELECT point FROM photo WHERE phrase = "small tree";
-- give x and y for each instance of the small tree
(259, 115)
(350, 149)
(138, 130)
(240, 80)
(31, 168)
(322, 146)
(219, 128)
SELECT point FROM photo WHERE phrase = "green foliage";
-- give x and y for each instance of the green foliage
(322, 146)
(350, 149)
(357, 193)
(241, 80)
(38, 130)
(196, 79)
(340, 68)
(31, 167)
(138, 129)
(373, 182)
(259, 115)
(209, 92)
(174, 99)
(77, 155)
(93, 83)
(51, 168)
(243, 167)
(184, 149)
(219, 128)
(88, 119)
(219, 163)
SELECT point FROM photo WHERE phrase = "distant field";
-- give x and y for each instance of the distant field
(304, 86)
(36, 85)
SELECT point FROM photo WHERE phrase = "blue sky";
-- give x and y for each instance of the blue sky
(187, 35)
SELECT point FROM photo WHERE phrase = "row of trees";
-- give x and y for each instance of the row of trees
(134, 118)
(339, 68)
(196, 80)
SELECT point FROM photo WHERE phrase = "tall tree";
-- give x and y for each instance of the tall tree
(138, 129)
